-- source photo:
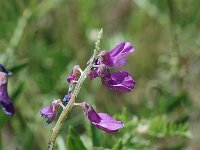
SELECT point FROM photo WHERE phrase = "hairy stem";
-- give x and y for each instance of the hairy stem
(74, 95)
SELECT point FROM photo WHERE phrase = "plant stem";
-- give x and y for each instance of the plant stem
(1, 142)
(74, 95)
(16, 37)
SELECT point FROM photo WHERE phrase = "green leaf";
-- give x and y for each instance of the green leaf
(17, 91)
(98, 148)
(20, 65)
(160, 127)
(73, 141)
(118, 145)
(95, 136)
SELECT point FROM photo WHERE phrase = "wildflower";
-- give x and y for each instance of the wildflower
(50, 112)
(102, 121)
(120, 81)
(5, 102)
(75, 74)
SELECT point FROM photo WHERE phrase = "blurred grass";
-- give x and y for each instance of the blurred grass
(49, 37)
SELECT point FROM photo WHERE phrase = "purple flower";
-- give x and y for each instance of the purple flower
(115, 57)
(50, 112)
(119, 81)
(5, 102)
(75, 74)
(102, 121)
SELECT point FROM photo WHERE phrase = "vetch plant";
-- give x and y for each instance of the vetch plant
(99, 65)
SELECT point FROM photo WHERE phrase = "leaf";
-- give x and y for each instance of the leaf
(160, 127)
(22, 64)
(17, 91)
(73, 141)
(95, 136)
(98, 148)
(118, 145)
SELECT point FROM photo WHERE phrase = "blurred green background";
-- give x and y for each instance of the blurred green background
(41, 40)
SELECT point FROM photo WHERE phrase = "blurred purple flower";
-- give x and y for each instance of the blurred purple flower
(75, 74)
(50, 112)
(102, 121)
(119, 81)
(5, 101)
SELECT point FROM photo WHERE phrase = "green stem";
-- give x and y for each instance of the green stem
(172, 17)
(19, 30)
(74, 95)
(1, 142)
(175, 41)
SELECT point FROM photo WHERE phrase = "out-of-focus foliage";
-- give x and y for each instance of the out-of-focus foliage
(41, 40)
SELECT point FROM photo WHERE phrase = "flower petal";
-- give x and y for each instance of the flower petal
(75, 74)
(120, 63)
(120, 51)
(90, 112)
(102, 121)
(108, 123)
(5, 101)
(119, 81)
(7, 106)
(50, 112)
(105, 58)
(93, 74)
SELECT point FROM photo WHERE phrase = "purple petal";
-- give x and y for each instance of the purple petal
(7, 106)
(122, 50)
(5, 101)
(120, 63)
(117, 53)
(74, 74)
(90, 112)
(50, 112)
(105, 58)
(108, 124)
(102, 121)
(119, 81)
(70, 78)
(93, 74)
(101, 70)
(117, 49)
